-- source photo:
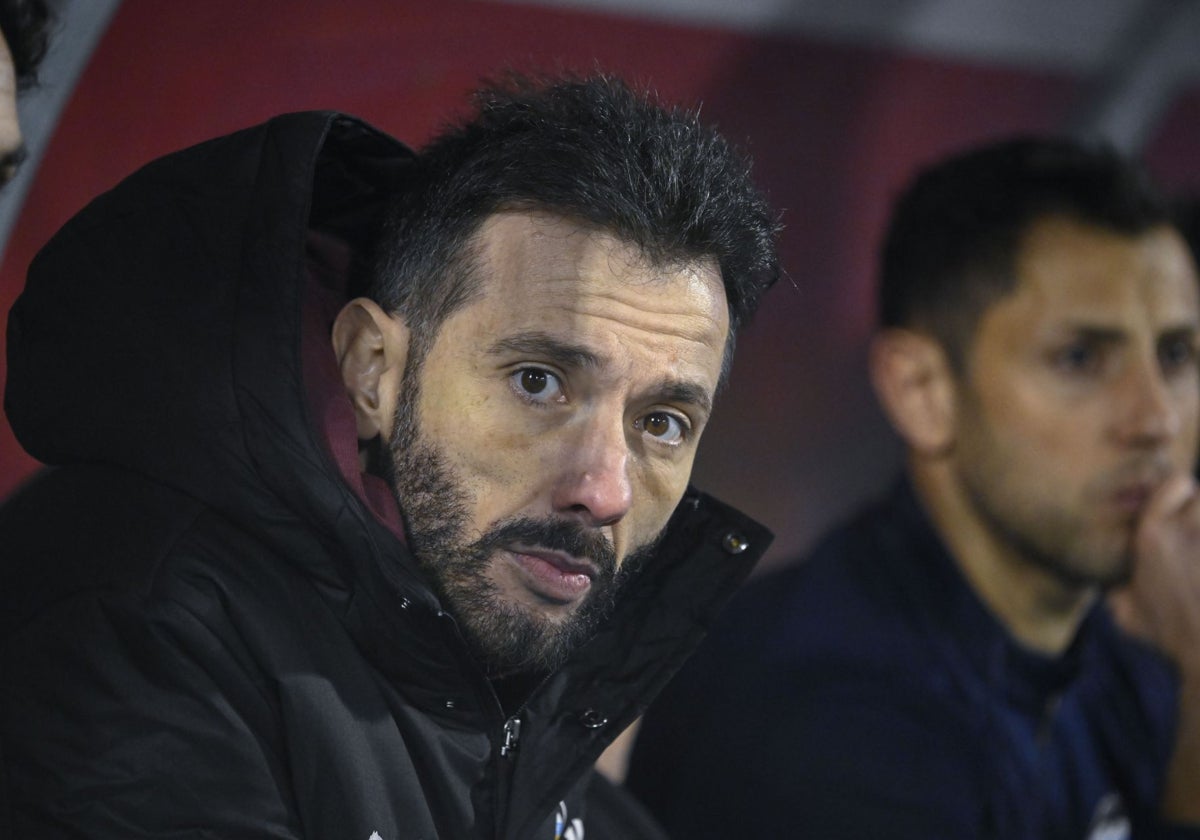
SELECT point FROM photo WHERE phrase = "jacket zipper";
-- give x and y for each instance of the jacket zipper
(510, 740)
(509, 744)
(512, 734)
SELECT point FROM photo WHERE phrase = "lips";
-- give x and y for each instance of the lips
(1133, 498)
(553, 575)
(1130, 494)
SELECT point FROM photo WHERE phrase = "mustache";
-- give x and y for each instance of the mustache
(556, 535)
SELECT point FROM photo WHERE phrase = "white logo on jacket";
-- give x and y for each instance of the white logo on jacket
(1109, 822)
(564, 830)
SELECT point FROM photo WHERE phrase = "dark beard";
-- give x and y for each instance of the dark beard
(1059, 564)
(504, 637)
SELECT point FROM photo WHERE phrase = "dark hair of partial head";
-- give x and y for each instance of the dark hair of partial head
(952, 245)
(588, 149)
(26, 28)
(1187, 219)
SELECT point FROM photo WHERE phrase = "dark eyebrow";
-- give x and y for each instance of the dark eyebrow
(573, 356)
(680, 391)
(1110, 335)
(1179, 331)
(548, 347)
(1097, 335)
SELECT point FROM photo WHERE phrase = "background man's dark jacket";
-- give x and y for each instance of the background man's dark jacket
(209, 623)
(868, 693)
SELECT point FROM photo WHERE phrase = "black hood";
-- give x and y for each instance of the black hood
(176, 332)
(177, 326)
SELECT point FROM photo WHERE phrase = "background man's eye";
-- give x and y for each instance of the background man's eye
(1078, 358)
(1174, 354)
(534, 381)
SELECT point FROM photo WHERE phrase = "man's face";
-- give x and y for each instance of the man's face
(10, 128)
(549, 431)
(1080, 396)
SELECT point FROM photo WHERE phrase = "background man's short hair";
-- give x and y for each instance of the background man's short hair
(1187, 219)
(26, 28)
(589, 149)
(951, 247)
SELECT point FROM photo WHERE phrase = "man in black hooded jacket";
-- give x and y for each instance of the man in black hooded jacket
(383, 546)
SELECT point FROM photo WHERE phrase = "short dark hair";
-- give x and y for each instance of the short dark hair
(589, 149)
(950, 250)
(26, 28)
(1187, 219)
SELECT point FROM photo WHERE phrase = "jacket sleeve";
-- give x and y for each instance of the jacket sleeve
(121, 717)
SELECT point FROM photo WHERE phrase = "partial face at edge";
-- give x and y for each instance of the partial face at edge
(550, 431)
(10, 127)
(1081, 396)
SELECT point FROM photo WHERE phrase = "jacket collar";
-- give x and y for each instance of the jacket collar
(962, 625)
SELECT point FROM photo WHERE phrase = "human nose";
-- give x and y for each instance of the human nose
(594, 484)
(1148, 413)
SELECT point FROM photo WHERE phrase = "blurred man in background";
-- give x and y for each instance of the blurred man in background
(947, 664)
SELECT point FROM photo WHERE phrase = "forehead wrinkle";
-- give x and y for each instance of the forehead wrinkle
(681, 322)
(595, 263)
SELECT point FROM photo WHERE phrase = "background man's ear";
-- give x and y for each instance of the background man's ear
(371, 349)
(916, 387)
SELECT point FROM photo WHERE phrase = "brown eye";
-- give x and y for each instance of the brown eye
(537, 385)
(665, 427)
(1080, 358)
(534, 381)
(1176, 353)
(658, 424)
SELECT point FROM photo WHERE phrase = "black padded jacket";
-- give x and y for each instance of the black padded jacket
(210, 626)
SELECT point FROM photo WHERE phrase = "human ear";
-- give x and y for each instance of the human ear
(371, 349)
(915, 385)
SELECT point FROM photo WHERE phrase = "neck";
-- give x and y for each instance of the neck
(1038, 608)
